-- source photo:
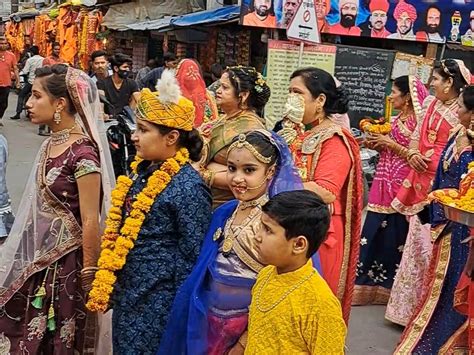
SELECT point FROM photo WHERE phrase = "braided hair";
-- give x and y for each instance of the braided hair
(247, 79)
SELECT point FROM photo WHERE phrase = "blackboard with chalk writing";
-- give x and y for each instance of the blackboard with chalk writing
(365, 74)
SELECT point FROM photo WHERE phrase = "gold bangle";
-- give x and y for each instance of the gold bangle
(90, 270)
(412, 152)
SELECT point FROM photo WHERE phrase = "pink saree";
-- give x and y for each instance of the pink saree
(391, 168)
(433, 135)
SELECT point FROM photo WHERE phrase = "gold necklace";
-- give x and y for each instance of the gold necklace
(243, 205)
(62, 136)
(286, 294)
(230, 235)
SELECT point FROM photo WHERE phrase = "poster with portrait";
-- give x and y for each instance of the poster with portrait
(268, 13)
(435, 21)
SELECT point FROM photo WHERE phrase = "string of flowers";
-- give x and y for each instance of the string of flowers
(118, 238)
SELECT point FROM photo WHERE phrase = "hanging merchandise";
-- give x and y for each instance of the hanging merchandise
(243, 48)
(15, 37)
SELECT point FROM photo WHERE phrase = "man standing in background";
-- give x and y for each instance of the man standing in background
(54, 57)
(99, 65)
(142, 73)
(33, 63)
(151, 79)
(8, 65)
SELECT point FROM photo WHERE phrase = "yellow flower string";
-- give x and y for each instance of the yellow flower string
(119, 239)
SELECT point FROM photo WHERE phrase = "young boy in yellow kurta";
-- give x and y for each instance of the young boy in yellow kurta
(293, 310)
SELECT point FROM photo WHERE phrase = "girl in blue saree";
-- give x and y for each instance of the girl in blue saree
(210, 311)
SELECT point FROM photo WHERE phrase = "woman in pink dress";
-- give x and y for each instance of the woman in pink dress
(428, 142)
(385, 230)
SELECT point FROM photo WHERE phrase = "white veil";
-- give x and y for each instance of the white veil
(44, 230)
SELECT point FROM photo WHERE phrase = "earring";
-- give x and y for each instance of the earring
(57, 117)
(446, 90)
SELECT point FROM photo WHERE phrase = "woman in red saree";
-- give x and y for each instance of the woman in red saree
(429, 139)
(328, 159)
(193, 87)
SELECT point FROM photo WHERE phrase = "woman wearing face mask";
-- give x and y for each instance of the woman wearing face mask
(118, 88)
(157, 222)
(385, 231)
(242, 96)
(428, 141)
(328, 160)
(210, 311)
(49, 259)
(436, 326)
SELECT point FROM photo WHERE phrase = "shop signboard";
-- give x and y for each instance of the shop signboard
(283, 58)
(435, 21)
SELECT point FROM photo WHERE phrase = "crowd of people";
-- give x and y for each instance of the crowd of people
(228, 237)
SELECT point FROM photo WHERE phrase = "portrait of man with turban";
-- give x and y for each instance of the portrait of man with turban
(431, 31)
(405, 15)
(378, 18)
(348, 10)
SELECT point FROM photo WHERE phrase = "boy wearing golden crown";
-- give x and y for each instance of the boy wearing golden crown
(157, 222)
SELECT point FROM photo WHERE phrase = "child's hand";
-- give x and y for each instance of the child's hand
(238, 349)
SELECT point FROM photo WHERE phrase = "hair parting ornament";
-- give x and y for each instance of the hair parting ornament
(259, 83)
(241, 142)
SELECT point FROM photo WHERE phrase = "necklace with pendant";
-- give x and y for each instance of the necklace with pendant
(62, 136)
(231, 233)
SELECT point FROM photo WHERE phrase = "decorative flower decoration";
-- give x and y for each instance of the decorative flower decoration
(119, 238)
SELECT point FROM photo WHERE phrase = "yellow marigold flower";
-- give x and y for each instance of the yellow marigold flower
(137, 214)
(115, 247)
(124, 242)
(125, 180)
(110, 236)
(107, 244)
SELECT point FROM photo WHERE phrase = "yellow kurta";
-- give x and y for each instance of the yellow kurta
(307, 321)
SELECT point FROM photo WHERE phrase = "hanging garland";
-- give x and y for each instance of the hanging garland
(118, 238)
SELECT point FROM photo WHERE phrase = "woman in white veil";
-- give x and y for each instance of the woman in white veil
(48, 261)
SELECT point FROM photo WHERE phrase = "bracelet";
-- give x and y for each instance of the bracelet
(90, 270)
(412, 152)
(207, 175)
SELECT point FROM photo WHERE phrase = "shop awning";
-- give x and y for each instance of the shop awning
(151, 24)
(207, 17)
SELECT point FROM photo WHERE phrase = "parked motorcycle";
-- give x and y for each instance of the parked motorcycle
(119, 134)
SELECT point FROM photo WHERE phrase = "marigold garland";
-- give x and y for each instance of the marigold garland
(118, 238)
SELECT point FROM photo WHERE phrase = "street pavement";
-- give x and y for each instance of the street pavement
(369, 333)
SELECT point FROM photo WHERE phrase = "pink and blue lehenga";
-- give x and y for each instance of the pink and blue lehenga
(436, 326)
(210, 311)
